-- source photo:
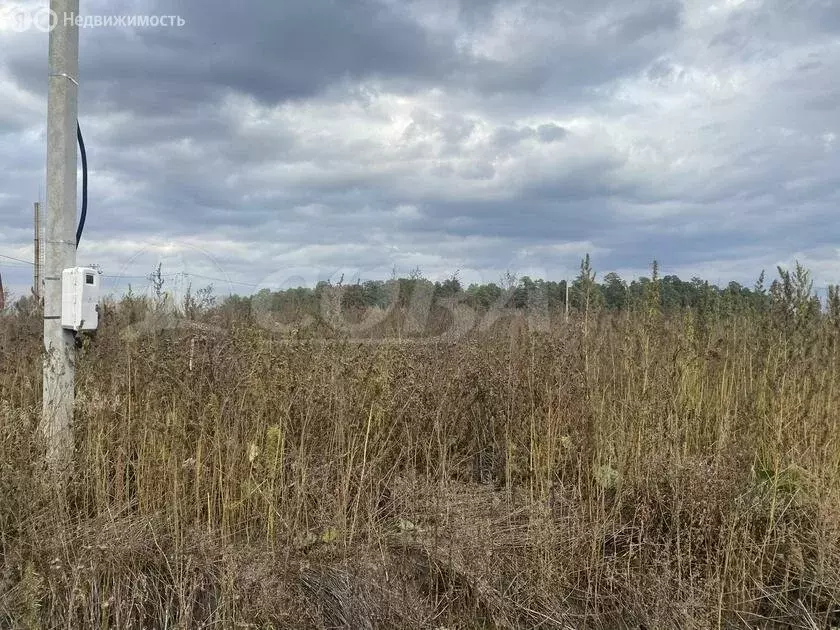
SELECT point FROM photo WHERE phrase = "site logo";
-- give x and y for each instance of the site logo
(20, 18)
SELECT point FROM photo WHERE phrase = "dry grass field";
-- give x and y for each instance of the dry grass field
(618, 470)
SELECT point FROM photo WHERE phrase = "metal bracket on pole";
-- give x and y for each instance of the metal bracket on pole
(66, 76)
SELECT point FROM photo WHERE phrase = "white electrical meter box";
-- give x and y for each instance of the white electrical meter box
(80, 298)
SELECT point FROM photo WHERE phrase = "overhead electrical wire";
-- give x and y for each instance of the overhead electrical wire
(26, 262)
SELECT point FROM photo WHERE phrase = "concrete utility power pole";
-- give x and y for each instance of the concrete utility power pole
(36, 280)
(567, 300)
(60, 236)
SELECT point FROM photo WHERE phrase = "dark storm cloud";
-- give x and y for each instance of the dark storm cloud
(535, 220)
(571, 48)
(277, 51)
(274, 51)
(441, 134)
(281, 51)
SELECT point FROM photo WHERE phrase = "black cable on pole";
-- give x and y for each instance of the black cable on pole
(83, 216)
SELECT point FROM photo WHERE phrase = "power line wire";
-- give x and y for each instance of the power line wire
(146, 277)
(197, 275)
(183, 274)
(25, 262)
(166, 275)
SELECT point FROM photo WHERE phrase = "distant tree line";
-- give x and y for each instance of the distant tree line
(666, 294)
(789, 300)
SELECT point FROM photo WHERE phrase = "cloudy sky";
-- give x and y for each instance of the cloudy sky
(276, 142)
